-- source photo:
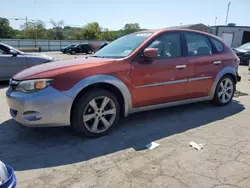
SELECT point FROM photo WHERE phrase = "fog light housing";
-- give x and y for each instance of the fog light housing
(32, 116)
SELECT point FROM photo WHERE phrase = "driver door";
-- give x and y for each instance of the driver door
(164, 78)
(10, 64)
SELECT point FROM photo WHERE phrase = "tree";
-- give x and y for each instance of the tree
(131, 28)
(107, 35)
(18, 34)
(57, 31)
(5, 30)
(92, 31)
(34, 30)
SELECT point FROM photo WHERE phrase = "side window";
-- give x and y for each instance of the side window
(198, 45)
(1, 51)
(168, 45)
(218, 45)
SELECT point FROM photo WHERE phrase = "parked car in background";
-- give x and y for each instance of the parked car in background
(81, 48)
(66, 49)
(13, 61)
(137, 72)
(103, 45)
(243, 52)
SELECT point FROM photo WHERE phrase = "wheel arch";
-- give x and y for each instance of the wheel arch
(110, 83)
(225, 71)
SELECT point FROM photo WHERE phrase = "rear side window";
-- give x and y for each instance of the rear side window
(198, 45)
(218, 45)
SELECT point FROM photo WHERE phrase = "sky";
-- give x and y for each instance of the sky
(114, 14)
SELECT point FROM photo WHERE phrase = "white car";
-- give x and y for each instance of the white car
(13, 61)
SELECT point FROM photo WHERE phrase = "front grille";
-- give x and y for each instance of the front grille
(14, 83)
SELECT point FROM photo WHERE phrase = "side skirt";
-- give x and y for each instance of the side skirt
(164, 105)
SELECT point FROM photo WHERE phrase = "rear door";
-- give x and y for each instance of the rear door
(206, 63)
(9, 64)
(163, 79)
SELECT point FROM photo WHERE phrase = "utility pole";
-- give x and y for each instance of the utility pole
(215, 21)
(26, 22)
(228, 6)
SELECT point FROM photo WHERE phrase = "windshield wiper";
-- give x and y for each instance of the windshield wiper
(96, 56)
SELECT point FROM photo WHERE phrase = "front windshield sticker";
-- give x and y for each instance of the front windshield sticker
(127, 52)
(143, 34)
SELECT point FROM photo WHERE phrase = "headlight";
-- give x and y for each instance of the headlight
(28, 86)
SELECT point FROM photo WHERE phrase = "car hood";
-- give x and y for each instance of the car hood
(50, 70)
(239, 50)
(37, 55)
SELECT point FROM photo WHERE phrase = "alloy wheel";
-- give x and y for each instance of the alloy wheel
(99, 114)
(226, 90)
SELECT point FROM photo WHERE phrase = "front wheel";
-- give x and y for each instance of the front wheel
(224, 91)
(95, 113)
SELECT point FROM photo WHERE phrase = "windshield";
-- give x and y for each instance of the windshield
(245, 46)
(11, 48)
(70, 45)
(123, 46)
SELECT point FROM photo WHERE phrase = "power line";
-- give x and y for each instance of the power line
(31, 20)
(26, 19)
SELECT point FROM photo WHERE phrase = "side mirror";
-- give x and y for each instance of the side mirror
(150, 53)
(13, 52)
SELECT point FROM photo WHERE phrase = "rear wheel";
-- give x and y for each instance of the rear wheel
(224, 91)
(95, 113)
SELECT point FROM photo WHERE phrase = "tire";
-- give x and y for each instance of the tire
(84, 107)
(227, 93)
(73, 52)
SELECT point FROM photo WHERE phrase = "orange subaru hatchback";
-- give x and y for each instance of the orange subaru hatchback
(137, 72)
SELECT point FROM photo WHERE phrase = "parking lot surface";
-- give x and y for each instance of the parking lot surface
(58, 157)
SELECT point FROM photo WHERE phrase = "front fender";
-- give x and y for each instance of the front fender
(77, 88)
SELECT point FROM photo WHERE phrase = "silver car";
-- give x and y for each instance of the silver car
(13, 61)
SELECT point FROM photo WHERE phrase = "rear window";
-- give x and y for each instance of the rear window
(218, 45)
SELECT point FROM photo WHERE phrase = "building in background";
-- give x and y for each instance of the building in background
(234, 36)
(198, 26)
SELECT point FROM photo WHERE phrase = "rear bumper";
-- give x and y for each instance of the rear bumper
(45, 108)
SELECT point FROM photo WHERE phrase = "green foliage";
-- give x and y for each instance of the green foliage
(34, 30)
(57, 32)
(107, 35)
(37, 30)
(92, 31)
(131, 28)
(5, 30)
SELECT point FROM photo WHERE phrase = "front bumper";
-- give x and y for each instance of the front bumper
(243, 58)
(45, 108)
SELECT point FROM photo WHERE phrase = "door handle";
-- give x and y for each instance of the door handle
(181, 66)
(217, 62)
